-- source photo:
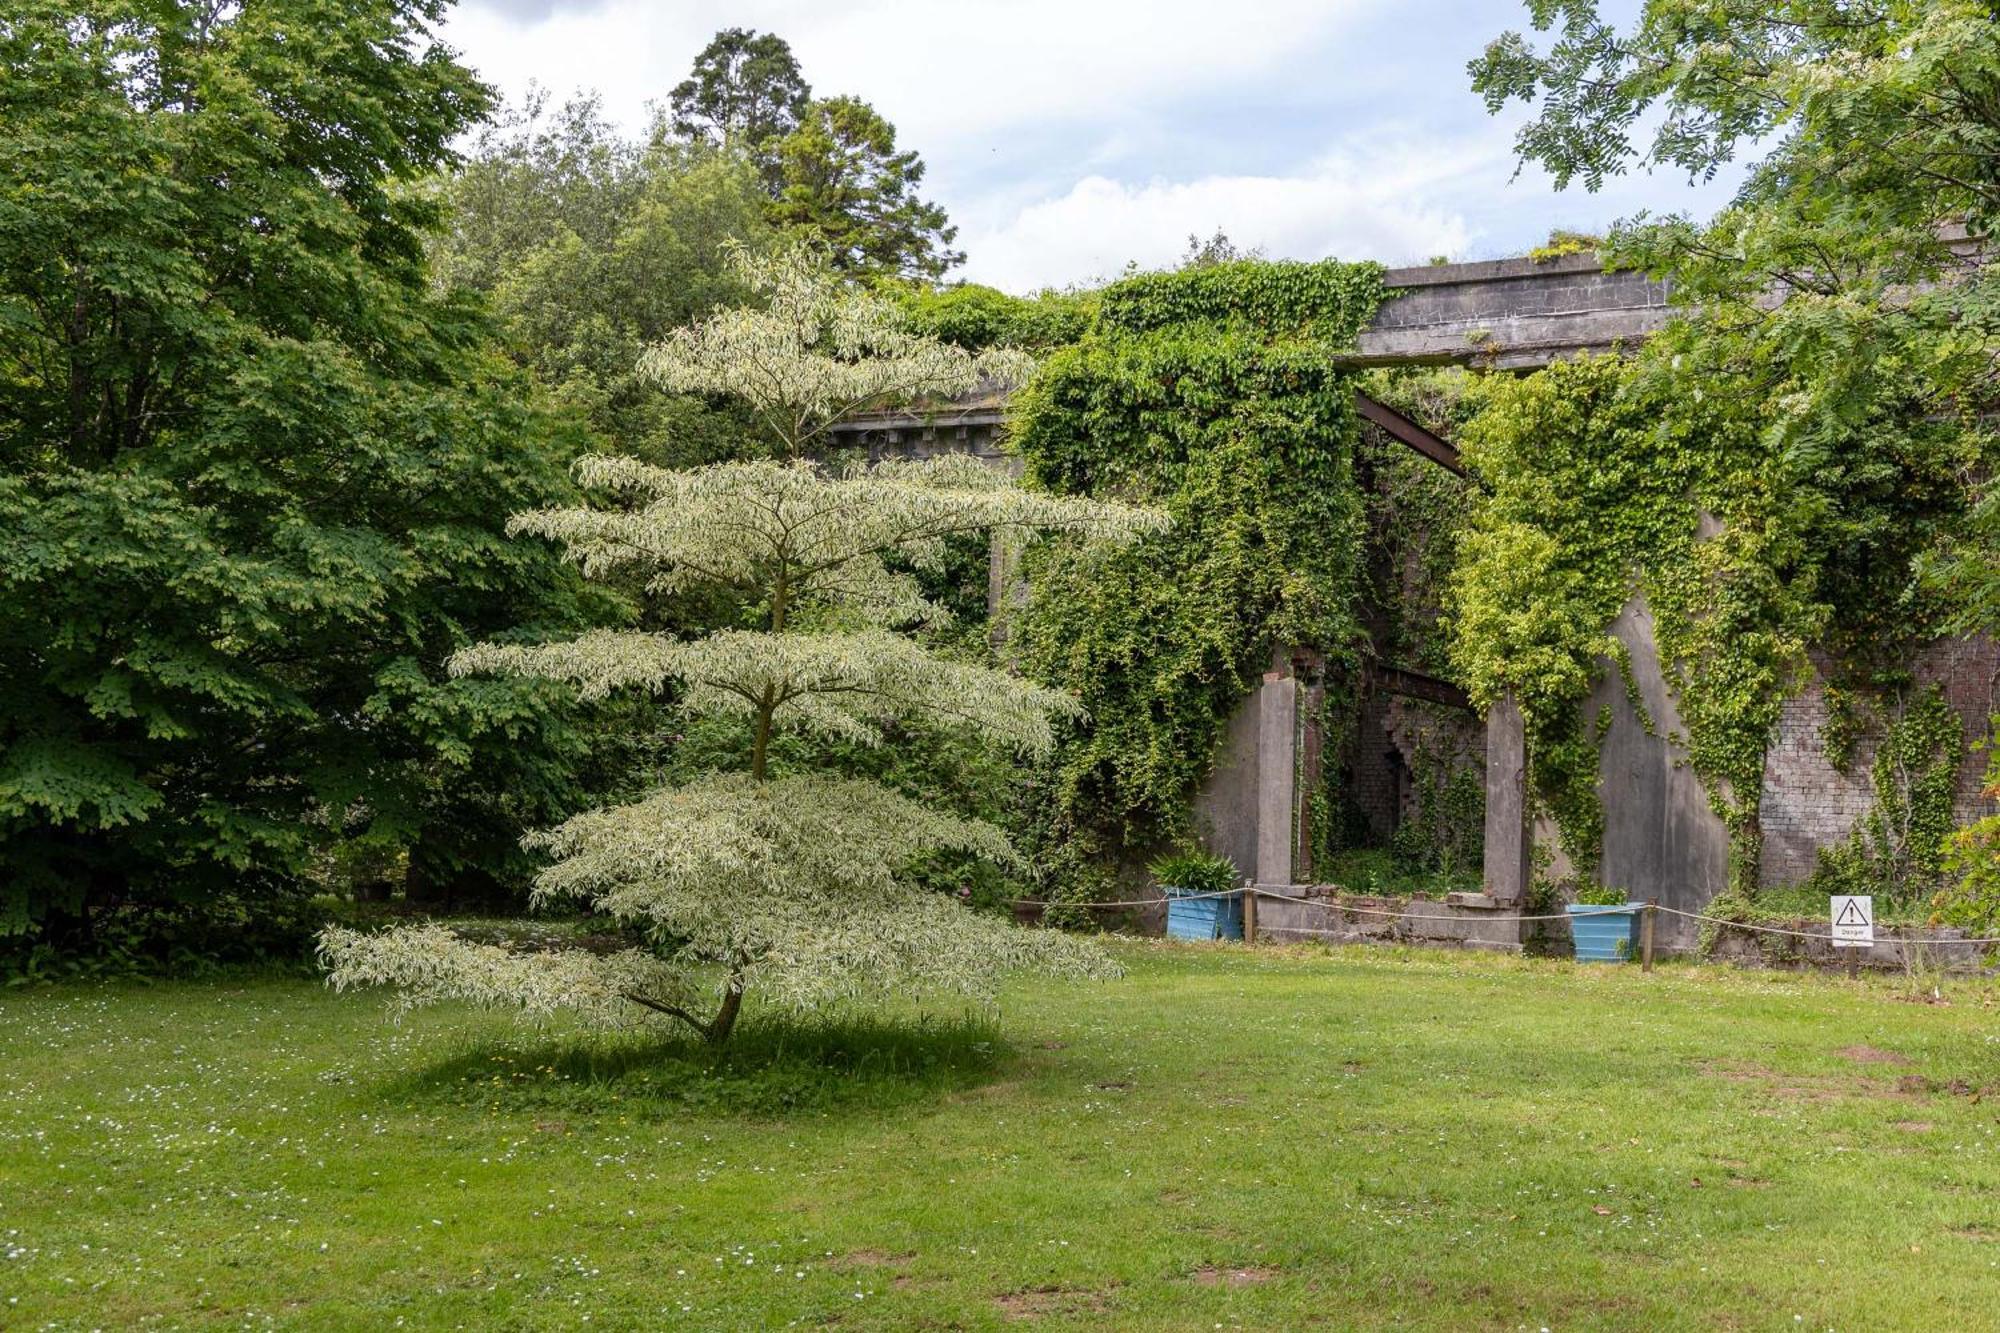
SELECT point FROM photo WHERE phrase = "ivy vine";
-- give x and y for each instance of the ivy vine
(1660, 477)
(1601, 493)
(1216, 393)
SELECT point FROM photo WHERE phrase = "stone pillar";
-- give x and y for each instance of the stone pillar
(1510, 835)
(1277, 727)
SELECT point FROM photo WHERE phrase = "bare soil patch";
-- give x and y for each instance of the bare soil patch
(1872, 1055)
(1035, 1302)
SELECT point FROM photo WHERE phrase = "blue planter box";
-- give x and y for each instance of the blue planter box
(1605, 934)
(1203, 918)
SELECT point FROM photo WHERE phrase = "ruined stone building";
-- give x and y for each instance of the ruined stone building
(1661, 840)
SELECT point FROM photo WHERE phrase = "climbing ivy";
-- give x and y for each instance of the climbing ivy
(1900, 848)
(1444, 828)
(1608, 485)
(1216, 393)
(1416, 513)
(1663, 477)
(977, 318)
(1971, 896)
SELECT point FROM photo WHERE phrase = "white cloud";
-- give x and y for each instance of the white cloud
(1066, 137)
(947, 72)
(1363, 203)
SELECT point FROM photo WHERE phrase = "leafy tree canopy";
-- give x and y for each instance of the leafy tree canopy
(250, 462)
(845, 182)
(745, 92)
(796, 884)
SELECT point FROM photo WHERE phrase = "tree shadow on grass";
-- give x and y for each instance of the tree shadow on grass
(771, 1067)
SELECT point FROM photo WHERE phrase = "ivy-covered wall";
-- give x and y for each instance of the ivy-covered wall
(1216, 393)
(1653, 483)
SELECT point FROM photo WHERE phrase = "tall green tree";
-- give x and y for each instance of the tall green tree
(794, 883)
(251, 463)
(844, 181)
(830, 166)
(745, 93)
(589, 246)
(533, 170)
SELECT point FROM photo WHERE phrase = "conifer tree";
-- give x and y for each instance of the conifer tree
(788, 883)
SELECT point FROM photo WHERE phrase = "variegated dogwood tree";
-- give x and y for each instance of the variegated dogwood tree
(790, 884)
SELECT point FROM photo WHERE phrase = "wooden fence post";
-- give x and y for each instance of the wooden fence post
(1646, 935)
(1249, 914)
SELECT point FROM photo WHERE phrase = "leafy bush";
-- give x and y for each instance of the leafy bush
(1390, 872)
(1601, 895)
(263, 928)
(1194, 872)
(1972, 856)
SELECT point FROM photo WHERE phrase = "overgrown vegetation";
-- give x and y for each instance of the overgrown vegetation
(1811, 467)
(259, 429)
(1604, 478)
(1213, 392)
(253, 469)
(742, 878)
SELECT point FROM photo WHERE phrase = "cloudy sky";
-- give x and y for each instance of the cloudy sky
(1066, 137)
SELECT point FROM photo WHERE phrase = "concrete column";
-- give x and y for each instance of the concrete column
(1510, 835)
(1277, 731)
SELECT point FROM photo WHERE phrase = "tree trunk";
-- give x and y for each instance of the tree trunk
(724, 1021)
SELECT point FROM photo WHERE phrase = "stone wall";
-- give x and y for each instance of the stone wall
(1329, 914)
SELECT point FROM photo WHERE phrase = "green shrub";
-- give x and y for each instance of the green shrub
(1194, 872)
(1601, 895)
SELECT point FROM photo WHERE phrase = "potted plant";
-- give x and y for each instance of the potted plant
(1604, 924)
(1202, 902)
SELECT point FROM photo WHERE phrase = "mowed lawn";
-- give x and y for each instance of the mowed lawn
(1225, 1138)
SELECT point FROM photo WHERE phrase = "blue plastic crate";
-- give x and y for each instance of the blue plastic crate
(1605, 934)
(1190, 918)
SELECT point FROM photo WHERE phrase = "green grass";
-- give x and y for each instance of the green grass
(1225, 1138)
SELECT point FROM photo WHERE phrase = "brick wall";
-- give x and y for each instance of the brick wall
(1809, 804)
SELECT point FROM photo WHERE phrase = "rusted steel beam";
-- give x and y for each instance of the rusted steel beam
(1399, 427)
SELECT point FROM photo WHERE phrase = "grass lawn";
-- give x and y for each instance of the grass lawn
(1225, 1138)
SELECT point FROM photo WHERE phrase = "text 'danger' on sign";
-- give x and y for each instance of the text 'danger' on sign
(1853, 921)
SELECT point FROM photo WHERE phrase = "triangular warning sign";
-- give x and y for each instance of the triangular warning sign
(1851, 914)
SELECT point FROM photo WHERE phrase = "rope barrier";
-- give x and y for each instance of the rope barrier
(1351, 910)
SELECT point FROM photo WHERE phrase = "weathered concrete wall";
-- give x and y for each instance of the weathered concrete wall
(1225, 808)
(1277, 777)
(1896, 949)
(1661, 837)
(1510, 313)
(1337, 917)
(1510, 831)
(1247, 808)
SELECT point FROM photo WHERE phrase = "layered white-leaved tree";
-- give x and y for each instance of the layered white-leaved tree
(795, 885)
